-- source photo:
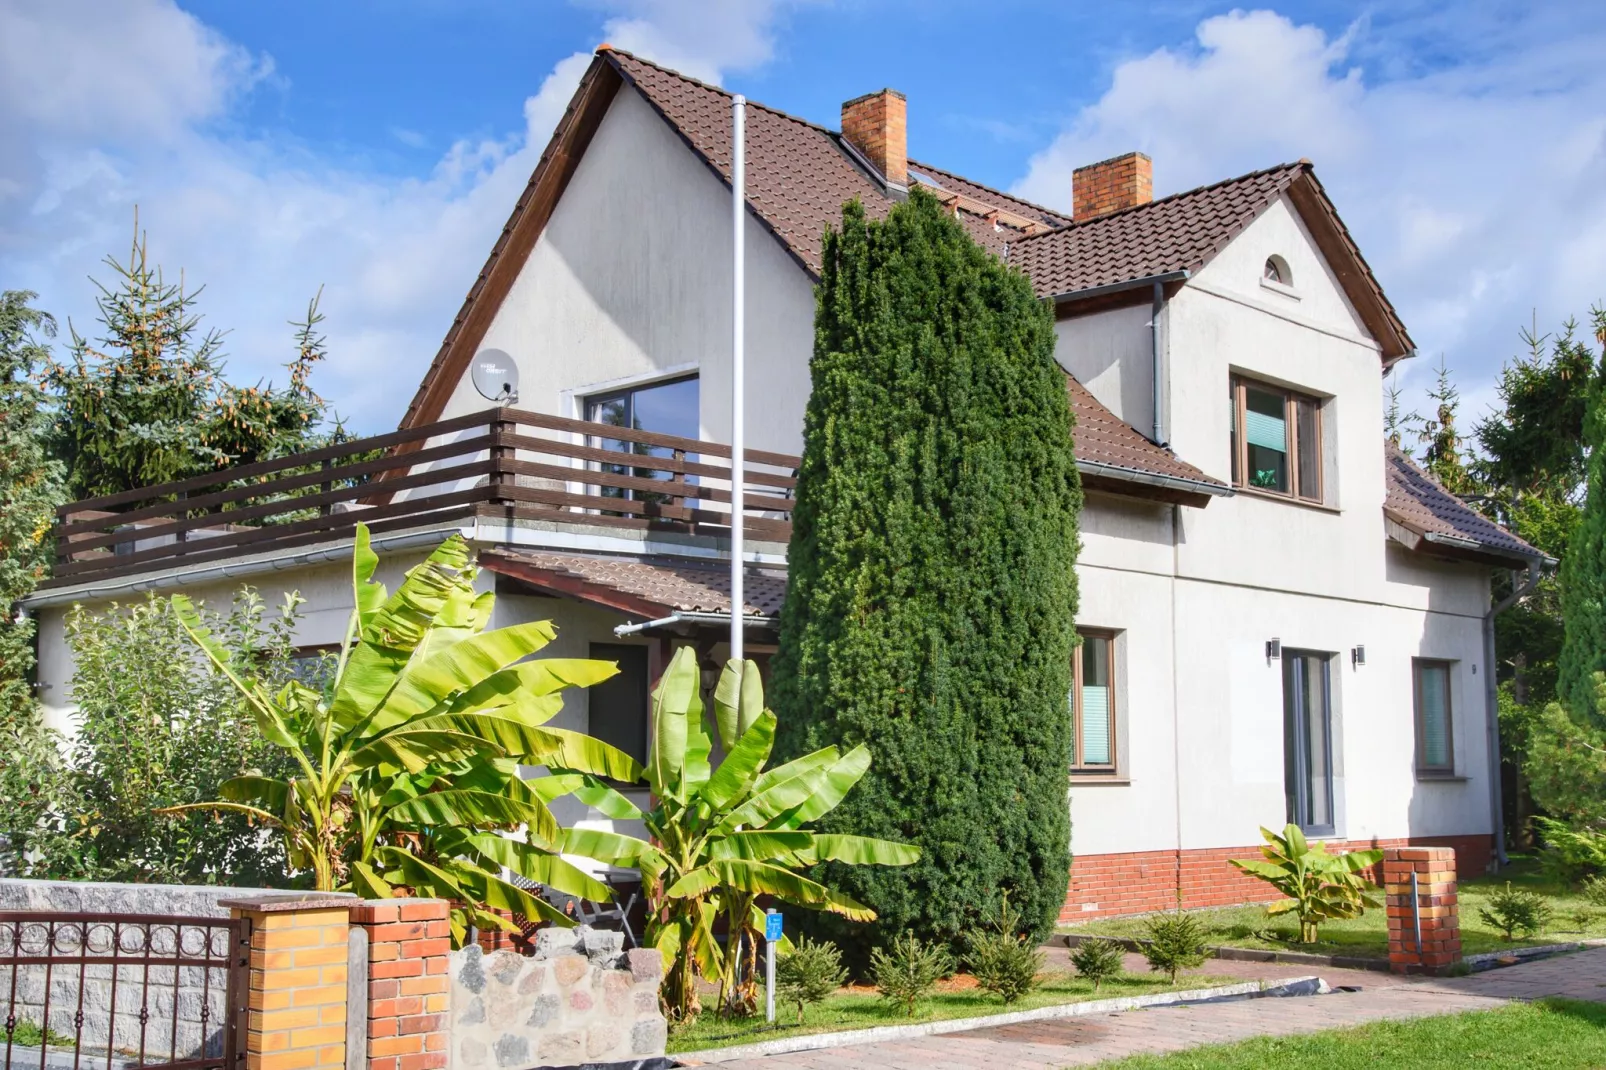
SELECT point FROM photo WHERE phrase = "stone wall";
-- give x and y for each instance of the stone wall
(579, 999)
(199, 995)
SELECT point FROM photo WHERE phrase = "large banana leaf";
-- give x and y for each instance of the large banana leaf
(792, 848)
(428, 680)
(763, 878)
(864, 851)
(673, 702)
(415, 751)
(614, 848)
(738, 701)
(833, 786)
(583, 754)
(742, 764)
(475, 809)
(540, 866)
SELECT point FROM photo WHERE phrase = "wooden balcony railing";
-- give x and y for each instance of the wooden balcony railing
(500, 463)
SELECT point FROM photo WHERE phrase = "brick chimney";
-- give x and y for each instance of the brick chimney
(1111, 185)
(877, 124)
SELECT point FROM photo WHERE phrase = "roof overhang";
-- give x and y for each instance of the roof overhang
(1131, 482)
(1457, 547)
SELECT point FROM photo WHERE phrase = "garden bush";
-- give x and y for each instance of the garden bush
(907, 970)
(1176, 943)
(1516, 912)
(1098, 960)
(932, 594)
(811, 972)
(1570, 853)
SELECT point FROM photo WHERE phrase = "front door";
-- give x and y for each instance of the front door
(1308, 740)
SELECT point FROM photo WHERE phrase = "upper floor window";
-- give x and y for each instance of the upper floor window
(667, 408)
(1093, 703)
(1276, 440)
(1277, 271)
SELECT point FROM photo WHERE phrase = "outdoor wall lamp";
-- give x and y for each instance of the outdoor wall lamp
(1357, 656)
(1274, 650)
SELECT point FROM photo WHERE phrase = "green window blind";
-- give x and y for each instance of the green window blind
(1435, 692)
(1270, 432)
(1095, 725)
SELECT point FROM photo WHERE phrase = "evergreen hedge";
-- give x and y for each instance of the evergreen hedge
(932, 595)
(1583, 581)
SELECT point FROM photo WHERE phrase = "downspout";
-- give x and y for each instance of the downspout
(1155, 353)
(1491, 699)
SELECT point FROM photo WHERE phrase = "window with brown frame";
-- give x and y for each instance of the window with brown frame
(1093, 702)
(1276, 440)
(1435, 732)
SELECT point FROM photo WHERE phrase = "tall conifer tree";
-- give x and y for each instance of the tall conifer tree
(930, 609)
(1583, 574)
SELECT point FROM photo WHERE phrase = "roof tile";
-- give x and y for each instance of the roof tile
(1420, 503)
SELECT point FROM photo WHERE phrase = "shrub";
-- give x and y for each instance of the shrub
(1515, 911)
(809, 974)
(1098, 960)
(930, 610)
(1003, 961)
(906, 971)
(1595, 890)
(1570, 853)
(1176, 943)
(1319, 886)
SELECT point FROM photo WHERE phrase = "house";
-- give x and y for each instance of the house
(1283, 618)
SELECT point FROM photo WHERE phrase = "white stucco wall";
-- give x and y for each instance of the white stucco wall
(632, 279)
(1112, 355)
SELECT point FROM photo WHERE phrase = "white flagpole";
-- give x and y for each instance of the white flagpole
(738, 377)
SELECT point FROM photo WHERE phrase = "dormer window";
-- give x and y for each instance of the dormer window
(1276, 441)
(1277, 271)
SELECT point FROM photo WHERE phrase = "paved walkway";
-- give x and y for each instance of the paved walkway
(1093, 1039)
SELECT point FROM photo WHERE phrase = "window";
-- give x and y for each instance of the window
(1277, 271)
(618, 705)
(1308, 741)
(1435, 739)
(1276, 440)
(1093, 703)
(668, 408)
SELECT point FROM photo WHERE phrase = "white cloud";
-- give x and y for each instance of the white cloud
(1474, 188)
(262, 220)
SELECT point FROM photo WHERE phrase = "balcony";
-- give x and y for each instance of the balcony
(504, 465)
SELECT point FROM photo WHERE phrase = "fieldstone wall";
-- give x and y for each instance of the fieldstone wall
(579, 999)
(198, 994)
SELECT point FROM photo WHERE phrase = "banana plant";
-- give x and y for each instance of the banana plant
(1319, 886)
(408, 760)
(722, 837)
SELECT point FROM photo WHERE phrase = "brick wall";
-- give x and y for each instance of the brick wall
(1140, 882)
(1111, 185)
(1435, 908)
(409, 942)
(297, 1000)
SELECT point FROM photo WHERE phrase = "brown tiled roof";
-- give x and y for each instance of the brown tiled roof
(1104, 439)
(1418, 503)
(642, 586)
(1177, 233)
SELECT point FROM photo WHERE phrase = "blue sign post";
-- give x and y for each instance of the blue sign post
(772, 935)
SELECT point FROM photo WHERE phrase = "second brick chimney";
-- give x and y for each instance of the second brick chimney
(1111, 185)
(877, 124)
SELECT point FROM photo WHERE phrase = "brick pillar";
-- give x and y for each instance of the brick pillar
(408, 986)
(297, 995)
(1434, 868)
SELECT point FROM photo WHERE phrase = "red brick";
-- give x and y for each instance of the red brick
(421, 1023)
(425, 910)
(419, 949)
(384, 989)
(430, 1060)
(378, 971)
(399, 931)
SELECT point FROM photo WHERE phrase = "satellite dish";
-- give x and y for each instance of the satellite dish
(496, 376)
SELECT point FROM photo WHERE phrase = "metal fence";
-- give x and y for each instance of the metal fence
(122, 991)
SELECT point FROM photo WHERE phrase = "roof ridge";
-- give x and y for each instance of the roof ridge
(1294, 167)
(993, 189)
(699, 83)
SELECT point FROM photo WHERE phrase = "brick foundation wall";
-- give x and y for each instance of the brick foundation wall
(1140, 882)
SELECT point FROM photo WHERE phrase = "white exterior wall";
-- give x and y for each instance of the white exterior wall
(1248, 568)
(632, 279)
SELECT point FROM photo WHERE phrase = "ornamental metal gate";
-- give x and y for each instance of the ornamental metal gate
(123, 991)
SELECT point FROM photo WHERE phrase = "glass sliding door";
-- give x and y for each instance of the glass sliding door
(1308, 740)
(668, 408)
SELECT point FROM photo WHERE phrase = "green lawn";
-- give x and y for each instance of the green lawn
(1557, 1034)
(1367, 936)
(858, 1008)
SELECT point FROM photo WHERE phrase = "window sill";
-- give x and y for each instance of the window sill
(1428, 776)
(1280, 288)
(1116, 779)
(1285, 499)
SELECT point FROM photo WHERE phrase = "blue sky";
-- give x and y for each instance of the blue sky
(374, 148)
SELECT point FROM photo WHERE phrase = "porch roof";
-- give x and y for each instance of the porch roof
(641, 587)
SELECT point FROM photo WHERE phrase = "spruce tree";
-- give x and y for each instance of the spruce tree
(932, 594)
(1583, 574)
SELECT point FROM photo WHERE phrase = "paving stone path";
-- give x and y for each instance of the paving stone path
(1091, 1040)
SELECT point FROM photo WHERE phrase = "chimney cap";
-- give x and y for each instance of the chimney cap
(877, 93)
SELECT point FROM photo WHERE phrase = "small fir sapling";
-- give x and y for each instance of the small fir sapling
(1515, 912)
(809, 974)
(1004, 961)
(1098, 960)
(1176, 943)
(908, 970)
